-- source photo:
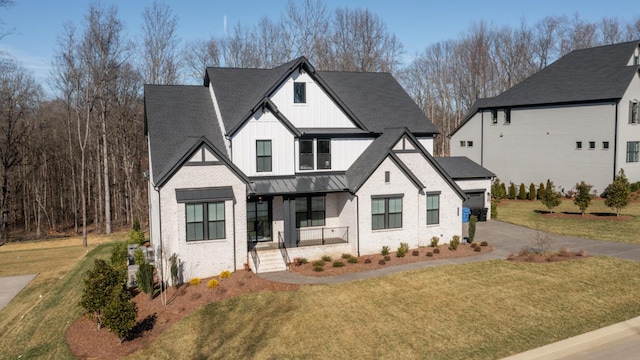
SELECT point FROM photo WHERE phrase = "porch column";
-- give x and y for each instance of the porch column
(290, 232)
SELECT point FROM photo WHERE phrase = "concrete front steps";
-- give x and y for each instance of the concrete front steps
(270, 261)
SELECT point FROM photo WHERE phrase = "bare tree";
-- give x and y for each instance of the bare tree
(160, 45)
(611, 31)
(19, 96)
(200, 54)
(308, 29)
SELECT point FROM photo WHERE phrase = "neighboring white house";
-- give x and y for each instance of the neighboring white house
(575, 120)
(260, 166)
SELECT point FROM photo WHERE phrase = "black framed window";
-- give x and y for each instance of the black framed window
(507, 116)
(633, 112)
(578, 145)
(470, 143)
(494, 116)
(310, 211)
(386, 213)
(205, 221)
(263, 155)
(592, 145)
(633, 148)
(433, 209)
(299, 92)
(605, 145)
(324, 153)
(306, 154)
(463, 143)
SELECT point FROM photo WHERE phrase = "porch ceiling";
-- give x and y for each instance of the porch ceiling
(298, 184)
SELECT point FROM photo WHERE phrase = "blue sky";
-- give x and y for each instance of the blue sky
(36, 23)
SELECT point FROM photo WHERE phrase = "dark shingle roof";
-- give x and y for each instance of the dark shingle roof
(374, 100)
(461, 167)
(176, 119)
(593, 74)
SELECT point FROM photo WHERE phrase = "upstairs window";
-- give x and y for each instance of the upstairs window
(463, 143)
(306, 154)
(469, 143)
(507, 116)
(633, 112)
(578, 145)
(324, 154)
(299, 92)
(263, 155)
(592, 145)
(633, 148)
(494, 116)
(605, 145)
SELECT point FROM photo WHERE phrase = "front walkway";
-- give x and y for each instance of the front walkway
(505, 239)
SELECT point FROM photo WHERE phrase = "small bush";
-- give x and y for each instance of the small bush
(303, 261)
(477, 249)
(385, 250)
(473, 220)
(524, 252)
(318, 263)
(353, 260)
(194, 281)
(346, 256)
(494, 209)
(225, 274)
(318, 268)
(136, 237)
(522, 192)
(581, 253)
(484, 243)
(429, 254)
(532, 191)
(402, 249)
(436, 251)
(326, 258)
(415, 253)
(564, 251)
(367, 261)
(512, 191)
(381, 262)
(338, 264)
(144, 277)
(212, 283)
(175, 279)
(120, 314)
(434, 241)
(138, 257)
(387, 258)
(454, 243)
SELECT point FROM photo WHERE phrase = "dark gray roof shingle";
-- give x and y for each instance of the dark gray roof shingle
(461, 167)
(176, 118)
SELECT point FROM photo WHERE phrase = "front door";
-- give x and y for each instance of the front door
(259, 220)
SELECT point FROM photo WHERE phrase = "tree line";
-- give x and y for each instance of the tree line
(75, 160)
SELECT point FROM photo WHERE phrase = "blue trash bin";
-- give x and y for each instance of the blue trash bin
(466, 212)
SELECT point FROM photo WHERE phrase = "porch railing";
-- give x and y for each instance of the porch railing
(254, 256)
(320, 236)
(283, 249)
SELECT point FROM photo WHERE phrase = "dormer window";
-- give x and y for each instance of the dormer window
(299, 93)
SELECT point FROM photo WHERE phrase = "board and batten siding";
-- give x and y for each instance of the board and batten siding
(628, 132)
(319, 111)
(264, 126)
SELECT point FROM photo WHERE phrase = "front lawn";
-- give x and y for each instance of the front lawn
(605, 227)
(481, 310)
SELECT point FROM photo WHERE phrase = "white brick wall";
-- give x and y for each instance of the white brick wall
(210, 257)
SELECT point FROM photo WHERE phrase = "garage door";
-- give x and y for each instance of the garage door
(475, 200)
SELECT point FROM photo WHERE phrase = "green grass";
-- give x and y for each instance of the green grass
(34, 323)
(529, 214)
(480, 310)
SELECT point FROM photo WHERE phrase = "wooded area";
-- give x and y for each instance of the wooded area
(76, 158)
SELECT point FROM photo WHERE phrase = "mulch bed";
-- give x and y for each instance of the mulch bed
(563, 255)
(588, 216)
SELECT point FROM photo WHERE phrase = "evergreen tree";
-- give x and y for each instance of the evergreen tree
(522, 192)
(512, 191)
(532, 192)
(497, 190)
(540, 191)
(618, 193)
(120, 313)
(550, 197)
(583, 196)
(99, 285)
(504, 189)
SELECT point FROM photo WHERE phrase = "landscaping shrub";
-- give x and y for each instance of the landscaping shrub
(138, 257)
(618, 193)
(429, 253)
(175, 279)
(99, 285)
(367, 261)
(564, 251)
(387, 258)
(472, 227)
(318, 268)
(346, 256)
(477, 249)
(136, 236)
(353, 260)
(385, 250)
(532, 192)
(540, 191)
(497, 190)
(303, 261)
(212, 283)
(635, 186)
(503, 188)
(120, 259)
(338, 263)
(144, 277)
(454, 243)
(434, 241)
(583, 196)
(318, 263)
(402, 249)
(542, 242)
(436, 251)
(194, 281)
(326, 258)
(494, 209)
(484, 243)
(120, 313)
(225, 274)
(415, 253)
(522, 192)
(381, 262)
(550, 197)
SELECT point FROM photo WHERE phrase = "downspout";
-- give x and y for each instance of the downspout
(357, 224)
(162, 264)
(233, 213)
(481, 138)
(615, 142)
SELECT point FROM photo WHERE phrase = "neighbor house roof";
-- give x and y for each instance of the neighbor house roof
(371, 100)
(183, 119)
(586, 75)
(461, 167)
